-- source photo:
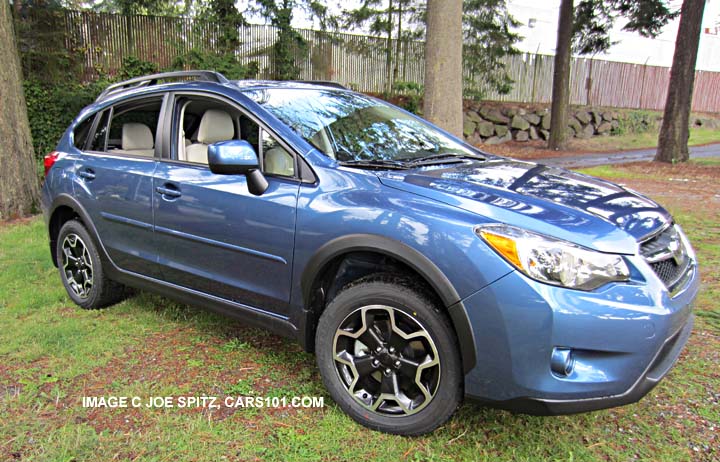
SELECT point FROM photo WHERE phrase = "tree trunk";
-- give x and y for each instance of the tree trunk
(388, 50)
(19, 188)
(674, 134)
(561, 78)
(396, 69)
(443, 65)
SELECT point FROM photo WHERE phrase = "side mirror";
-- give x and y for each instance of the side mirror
(237, 157)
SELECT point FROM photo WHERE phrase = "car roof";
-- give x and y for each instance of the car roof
(198, 79)
(296, 84)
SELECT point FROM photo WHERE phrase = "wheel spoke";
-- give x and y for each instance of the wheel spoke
(396, 341)
(69, 256)
(390, 391)
(371, 339)
(87, 284)
(364, 365)
(408, 368)
(389, 384)
(86, 259)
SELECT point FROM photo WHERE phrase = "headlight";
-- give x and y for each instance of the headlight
(686, 242)
(554, 261)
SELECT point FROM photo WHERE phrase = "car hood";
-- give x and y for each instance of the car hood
(588, 211)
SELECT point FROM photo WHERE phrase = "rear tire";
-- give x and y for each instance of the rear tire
(389, 357)
(81, 269)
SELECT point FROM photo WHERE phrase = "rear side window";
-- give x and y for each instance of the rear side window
(128, 128)
(133, 126)
(81, 132)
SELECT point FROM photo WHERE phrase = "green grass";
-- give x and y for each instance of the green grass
(52, 354)
(610, 172)
(630, 141)
(632, 173)
(706, 161)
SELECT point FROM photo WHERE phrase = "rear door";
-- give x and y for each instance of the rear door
(114, 181)
(213, 235)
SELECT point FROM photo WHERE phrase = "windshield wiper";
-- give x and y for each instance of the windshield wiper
(431, 159)
(375, 163)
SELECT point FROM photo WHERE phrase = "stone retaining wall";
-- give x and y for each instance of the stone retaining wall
(496, 123)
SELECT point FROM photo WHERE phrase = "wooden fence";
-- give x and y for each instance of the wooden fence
(97, 43)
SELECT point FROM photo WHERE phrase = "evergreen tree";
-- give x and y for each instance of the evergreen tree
(487, 39)
(399, 20)
(289, 44)
(587, 29)
(674, 134)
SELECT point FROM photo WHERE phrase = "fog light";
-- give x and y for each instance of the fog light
(562, 362)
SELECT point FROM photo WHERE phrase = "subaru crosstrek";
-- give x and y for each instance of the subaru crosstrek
(418, 268)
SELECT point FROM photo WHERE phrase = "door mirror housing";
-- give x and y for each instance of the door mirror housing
(232, 157)
(237, 157)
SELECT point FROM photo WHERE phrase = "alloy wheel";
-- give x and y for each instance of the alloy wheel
(386, 360)
(77, 265)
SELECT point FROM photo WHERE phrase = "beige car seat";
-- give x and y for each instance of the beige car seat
(215, 125)
(279, 162)
(137, 140)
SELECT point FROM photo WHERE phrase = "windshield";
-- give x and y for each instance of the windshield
(354, 128)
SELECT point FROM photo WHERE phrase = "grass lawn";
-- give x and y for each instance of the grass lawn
(598, 144)
(649, 139)
(53, 353)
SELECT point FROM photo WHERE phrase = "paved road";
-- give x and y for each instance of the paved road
(593, 160)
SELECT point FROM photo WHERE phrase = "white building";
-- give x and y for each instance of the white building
(539, 28)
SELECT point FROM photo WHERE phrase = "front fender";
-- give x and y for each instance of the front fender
(351, 211)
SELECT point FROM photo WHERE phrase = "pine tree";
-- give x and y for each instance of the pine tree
(588, 26)
(674, 134)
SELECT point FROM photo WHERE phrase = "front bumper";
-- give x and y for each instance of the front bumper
(659, 367)
(624, 337)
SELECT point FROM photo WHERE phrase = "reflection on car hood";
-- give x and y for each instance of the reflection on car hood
(568, 205)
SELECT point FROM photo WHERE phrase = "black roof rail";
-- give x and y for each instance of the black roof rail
(324, 83)
(147, 80)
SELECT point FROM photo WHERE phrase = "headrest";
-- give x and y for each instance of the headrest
(136, 136)
(216, 125)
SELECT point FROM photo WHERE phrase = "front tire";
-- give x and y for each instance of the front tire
(389, 357)
(81, 269)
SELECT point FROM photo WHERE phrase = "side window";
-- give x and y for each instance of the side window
(277, 161)
(133, 126)
(97, 143)
(203, 122)
(81, 132)
(200, 122)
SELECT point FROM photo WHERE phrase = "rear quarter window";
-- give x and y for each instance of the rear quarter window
(97, 143)
(81, 132)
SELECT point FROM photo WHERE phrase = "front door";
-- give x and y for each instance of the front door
(213, 235)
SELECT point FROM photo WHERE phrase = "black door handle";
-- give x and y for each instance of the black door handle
(169, 190)
(87, 174)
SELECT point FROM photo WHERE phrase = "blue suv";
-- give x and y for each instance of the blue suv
(419, 269)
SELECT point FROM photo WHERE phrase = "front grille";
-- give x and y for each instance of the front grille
(667, 256)
(668, 271)
(658, 243)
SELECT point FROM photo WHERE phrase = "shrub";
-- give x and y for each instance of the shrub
(637, 121)
(51, 108)
(226, 64)
(134, 67)
(411, 94)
